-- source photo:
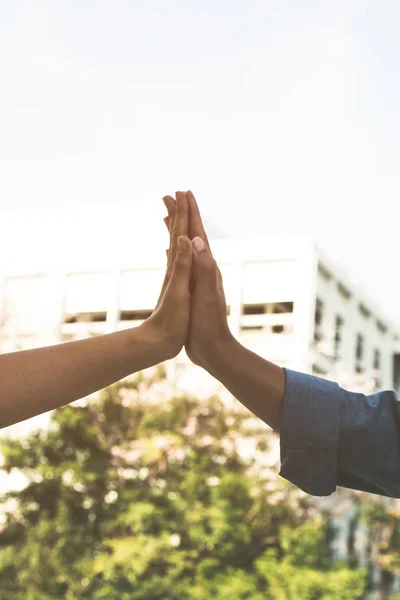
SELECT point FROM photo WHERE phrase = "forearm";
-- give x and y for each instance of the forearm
(36, 381)
(254, 381)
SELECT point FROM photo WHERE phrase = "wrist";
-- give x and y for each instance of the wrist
(218, 355)
(158, 345)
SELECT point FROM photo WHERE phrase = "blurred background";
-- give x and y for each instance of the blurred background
(282, 118)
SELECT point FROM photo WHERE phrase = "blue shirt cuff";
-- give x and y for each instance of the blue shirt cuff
(309, 433)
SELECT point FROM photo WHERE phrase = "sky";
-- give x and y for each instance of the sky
(281, 116)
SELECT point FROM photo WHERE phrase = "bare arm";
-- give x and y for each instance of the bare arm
(36, 381)
(329, 436)
(257, 383)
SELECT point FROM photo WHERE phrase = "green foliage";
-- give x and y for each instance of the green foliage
(287, 580)
(131, 500)
(382, 517)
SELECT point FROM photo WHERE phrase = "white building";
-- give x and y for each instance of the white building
(286, 300)
(292, 305)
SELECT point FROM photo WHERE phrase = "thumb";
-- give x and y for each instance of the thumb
(205, 270)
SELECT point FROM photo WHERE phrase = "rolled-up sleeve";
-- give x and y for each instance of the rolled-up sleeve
(331, 437)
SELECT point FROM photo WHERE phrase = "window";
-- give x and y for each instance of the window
(140, 289)
(343, 291)
(319, 307)
(271, 308)
(86, 317)
(377, 359)
(273, 280)
(382, 328)
(324, 272)
(282, 307)
(338, 336)
(87, 293)
(135, 315)
(278, 328)
(316, 370)
(364, 310)
(359, 347)
(318, 311)
(377, 368)
(251, 328)
(254, 309)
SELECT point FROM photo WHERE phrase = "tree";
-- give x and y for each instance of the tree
(380, 515)
(142, 495)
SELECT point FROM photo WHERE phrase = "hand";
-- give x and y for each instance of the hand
(169, 321)
(208, 328)
(257, 383)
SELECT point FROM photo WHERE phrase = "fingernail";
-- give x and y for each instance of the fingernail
(198, 244)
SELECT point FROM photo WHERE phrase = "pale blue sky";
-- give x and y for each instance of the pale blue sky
(281, 116)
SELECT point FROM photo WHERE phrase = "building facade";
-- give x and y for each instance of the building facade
(286, 301)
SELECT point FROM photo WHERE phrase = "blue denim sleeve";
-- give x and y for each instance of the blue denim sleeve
(331, 437)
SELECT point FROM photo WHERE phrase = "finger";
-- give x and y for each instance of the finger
(174, 233)
(166, 221)
(205, 268)
(163, 288)
(167, 277)
(169, 202)
(170, 254)
(178, 286)
(168, 269)
(180, 225)
(206, 274)
(196, 227)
